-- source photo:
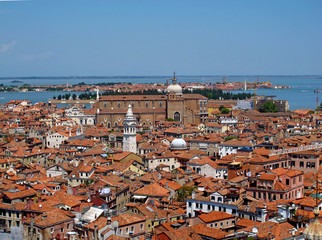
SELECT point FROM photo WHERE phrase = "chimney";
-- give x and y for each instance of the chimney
(74, 190)
(166, 185)
(177, 177)
(168, 216)
(193, 195)
(28, 203)
(95, 232)
(190, 178)
(109, 221)
(32, 220)
(70, 191)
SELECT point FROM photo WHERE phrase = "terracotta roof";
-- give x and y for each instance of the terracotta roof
(20, 194)
(50, 218)
(153, 189)
(215, 216)
(127, 219)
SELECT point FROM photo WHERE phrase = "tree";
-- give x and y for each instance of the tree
(268, 107)
(185, 192)
(59, 97)
(224, 110)
(230, 138)
(74, 96)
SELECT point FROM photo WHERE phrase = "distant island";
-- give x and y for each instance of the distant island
(16, 81)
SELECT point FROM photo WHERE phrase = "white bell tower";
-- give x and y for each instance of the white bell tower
(129, 134)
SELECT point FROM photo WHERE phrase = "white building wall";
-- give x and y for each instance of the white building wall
(153, 163)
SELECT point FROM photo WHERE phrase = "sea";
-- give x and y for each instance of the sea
(301, 95)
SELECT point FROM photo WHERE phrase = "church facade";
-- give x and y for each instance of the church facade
(148, 109)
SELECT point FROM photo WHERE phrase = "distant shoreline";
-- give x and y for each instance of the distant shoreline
(159, 76)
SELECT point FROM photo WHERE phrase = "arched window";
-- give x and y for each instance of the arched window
(176, 117)
(105, 105)
(146, 104)
(118, 104)
(160, 104)
(132, 104)
(108, 125)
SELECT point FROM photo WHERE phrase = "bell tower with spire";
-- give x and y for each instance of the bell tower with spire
(129, 134)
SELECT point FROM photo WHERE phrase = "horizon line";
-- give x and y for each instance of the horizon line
(158, 76)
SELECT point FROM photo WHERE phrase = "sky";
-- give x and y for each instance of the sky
(150, 38)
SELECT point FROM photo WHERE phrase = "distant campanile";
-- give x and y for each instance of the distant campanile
(129, 134)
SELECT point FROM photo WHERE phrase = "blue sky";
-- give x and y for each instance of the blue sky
(145, 37)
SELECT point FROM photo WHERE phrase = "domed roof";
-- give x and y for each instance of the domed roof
(314, 230)
(178, 144)
(174, 87)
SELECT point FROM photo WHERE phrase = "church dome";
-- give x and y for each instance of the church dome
(174, 87)
(178, 144)
(314, 230)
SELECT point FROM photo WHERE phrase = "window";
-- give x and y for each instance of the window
(287, 182)
(127, 230)
(118, 104)
(51, 230)
(301, 164)
(216, 224)
(120, 231)
(177, 117)
(227, 223)
(141, 226)
(146, 104)
(132, 229)
(211, 225)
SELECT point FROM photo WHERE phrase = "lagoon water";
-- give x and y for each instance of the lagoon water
(301, 94)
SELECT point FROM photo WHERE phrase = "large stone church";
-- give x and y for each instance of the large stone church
(148, 109)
